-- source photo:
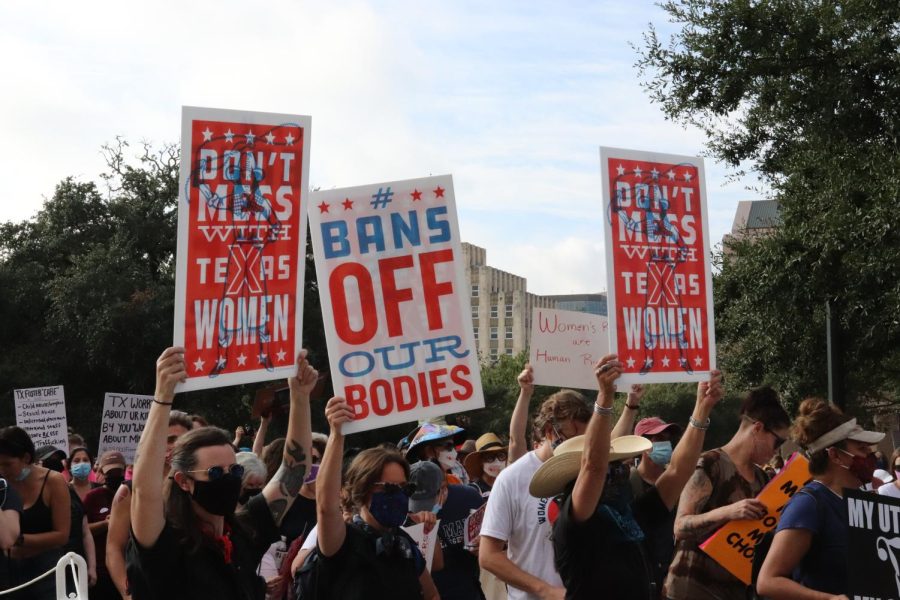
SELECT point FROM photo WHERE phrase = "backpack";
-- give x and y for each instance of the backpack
(306, 578)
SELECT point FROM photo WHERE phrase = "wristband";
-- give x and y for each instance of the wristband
(632, 407)
(698, 425)
(603, 411)
(163, 403)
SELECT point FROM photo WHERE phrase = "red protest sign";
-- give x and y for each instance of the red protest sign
(395, 304)
(241, 245)
(659, 280)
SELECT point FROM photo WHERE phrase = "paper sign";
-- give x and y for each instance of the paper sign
(873, 557)
(732, 546)
(241, 245)
(42, 413)
(659, 282)
(124, 416)
(426, 543)
(473, 526)
(565, 345)
(395, 304)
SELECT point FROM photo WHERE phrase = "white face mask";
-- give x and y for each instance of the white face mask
(494, 467)
(447, 459)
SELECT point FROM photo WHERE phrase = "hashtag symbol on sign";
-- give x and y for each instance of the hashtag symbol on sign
(382, 198)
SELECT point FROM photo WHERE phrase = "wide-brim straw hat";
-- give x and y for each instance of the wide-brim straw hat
(554, 475)
(474, 461)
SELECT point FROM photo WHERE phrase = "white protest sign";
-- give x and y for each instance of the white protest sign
(426, 543)
(564, 346)
(472, 530)
(42, 413)
(395, 304)
(124, 416)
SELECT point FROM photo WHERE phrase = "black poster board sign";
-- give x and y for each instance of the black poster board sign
(874, 546)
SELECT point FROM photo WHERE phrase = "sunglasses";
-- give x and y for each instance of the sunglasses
(406, 488)
(495, 457)
(779, 441)
(217, 472)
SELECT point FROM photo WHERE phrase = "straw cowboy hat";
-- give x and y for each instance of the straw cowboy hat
(554, 475)
(474, 462)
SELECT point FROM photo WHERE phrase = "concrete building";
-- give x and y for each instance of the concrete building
(501, 306)
(753, 219)
(594, 304)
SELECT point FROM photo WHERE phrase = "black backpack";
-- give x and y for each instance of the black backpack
(305, 579)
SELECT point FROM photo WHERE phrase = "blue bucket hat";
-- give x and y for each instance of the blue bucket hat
(431, 432)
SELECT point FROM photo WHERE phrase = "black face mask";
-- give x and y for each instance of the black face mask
(54, 464)
(218, 497)
(114, 479)
(247, 494)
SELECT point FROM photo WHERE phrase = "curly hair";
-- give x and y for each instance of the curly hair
(564, 404)
(815, 418)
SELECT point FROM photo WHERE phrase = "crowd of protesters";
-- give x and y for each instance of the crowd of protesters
(588, 508)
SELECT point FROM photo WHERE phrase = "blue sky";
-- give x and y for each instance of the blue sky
(511, 98)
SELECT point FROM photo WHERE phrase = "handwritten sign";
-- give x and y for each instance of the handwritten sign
(473, 526)
(124, 416)
(426, 543)
(873, 557)
(241, 245)
(42, 413)
(395, 305)
(732, 546)
(659, 282)
(564, 346)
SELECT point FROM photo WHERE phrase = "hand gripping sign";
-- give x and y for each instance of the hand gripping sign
(241, 245)
(394, 301)
(659, 280)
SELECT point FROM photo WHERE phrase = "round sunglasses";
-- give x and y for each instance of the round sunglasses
(218, 472)
(406, 487)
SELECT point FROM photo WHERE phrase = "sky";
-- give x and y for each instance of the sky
(513, 99)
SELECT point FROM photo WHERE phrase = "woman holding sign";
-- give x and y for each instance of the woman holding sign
(808, 557)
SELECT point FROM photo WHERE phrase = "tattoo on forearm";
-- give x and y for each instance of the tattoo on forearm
(290, 478)
(295, 451)
(278, 508)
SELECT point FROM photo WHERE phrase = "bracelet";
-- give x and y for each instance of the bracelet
(632, 407)
(603, 411)
(163, 403)
(698, 425)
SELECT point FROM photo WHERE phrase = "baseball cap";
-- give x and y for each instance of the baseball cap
(653, 426)
(427, 478)
(112, 457)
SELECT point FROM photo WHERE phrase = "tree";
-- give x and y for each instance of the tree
(808, 94)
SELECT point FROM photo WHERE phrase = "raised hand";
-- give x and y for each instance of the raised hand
(526, 379)
(607, 370)
(338, 412)
(170, 370)
(304, 380)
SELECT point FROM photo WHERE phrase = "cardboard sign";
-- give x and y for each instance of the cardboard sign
(473, 526)
(873, 557)
(124, 416)
(732, 546)
(42, 413)
(395, 305)
(241, 245)
(426, 543)
(565, 345)
(659, 282)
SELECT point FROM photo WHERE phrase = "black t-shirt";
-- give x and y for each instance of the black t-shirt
(168, 572)
(76, 532)
(363, 569)
(299, 519)
(458, 580)
(595, 561)
(660, 539)
(9, 500)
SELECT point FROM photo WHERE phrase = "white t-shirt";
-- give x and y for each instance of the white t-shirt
(889, 489)
(524, 522)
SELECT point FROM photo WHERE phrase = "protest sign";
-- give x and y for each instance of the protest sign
(732, 546)
(124, 416)
(659, 282)
(873, 557)
(241, 245)
(565, 345)
(426, 543)
(42, 413)
(473, 526)
(395, 305)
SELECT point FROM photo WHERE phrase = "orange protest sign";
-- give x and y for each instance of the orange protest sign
(733, 544)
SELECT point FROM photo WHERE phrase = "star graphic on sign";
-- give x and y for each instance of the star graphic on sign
(289, 139)
(630, 362)
(648, 362)
(323, 208)
(671, 174)
(251, 137)
(263, 357)
(220, 363)
(281, 354)
(416, 195)
(229, 137)
(687, 176)
(620, 170)
(198, 364)
(637, 172)
(683, 362)
(439, 192)
(270, 138)
(654, 174)
(348, 203)
(241, 359)
(698, 361)
(207, 135)
(665, 361)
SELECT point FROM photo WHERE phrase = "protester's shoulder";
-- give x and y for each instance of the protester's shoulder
(13, 500)
(802, 510)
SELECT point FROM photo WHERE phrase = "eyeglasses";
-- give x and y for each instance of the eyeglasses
(406, 487)
(495, 457)
(218, 472)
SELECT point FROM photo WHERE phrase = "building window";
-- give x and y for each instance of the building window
(475, 332)
(475, 290)
(494, 353)
(475, 312)
(509, 351)
(509, 311)
(493, 311)
(509, 332)
(493, 333)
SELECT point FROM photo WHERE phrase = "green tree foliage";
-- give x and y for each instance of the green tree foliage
(808, 95)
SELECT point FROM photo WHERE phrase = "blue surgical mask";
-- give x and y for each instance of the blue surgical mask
(661, 453)
(81, 470)
(389, 509)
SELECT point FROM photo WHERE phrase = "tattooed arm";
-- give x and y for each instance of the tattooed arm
(691, 524)
(281, 491)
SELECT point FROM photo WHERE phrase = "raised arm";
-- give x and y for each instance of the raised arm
(149, 466)
(282, 490)
(595, 457)
(684, 459)
(625, 424)
(259, 442)
(330, 522)
(518, 446)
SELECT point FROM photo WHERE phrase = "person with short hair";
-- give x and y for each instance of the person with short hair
(724, 488)
(808, 555)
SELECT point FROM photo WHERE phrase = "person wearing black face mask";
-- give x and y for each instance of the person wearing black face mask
(187, 540)
(97, 508)
(599, 536)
